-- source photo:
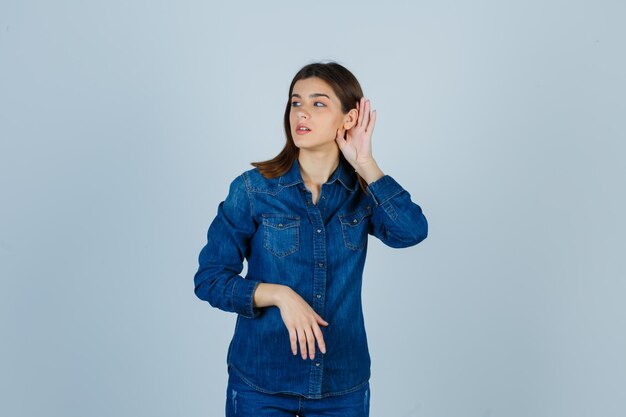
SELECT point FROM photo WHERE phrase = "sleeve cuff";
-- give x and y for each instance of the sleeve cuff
(383, 189)
(243, 291)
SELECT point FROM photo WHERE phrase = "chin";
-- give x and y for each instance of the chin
(303, 142)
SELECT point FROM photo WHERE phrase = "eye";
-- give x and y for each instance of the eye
(297, 103)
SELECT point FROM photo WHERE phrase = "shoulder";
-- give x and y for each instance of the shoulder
(255, 182)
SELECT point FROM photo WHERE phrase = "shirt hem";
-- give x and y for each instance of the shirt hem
(313, 397)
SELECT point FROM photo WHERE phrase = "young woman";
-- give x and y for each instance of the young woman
(301, 220)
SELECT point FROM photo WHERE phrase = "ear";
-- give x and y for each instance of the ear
(350, 119)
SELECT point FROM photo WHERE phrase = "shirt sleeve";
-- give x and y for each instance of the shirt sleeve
(221, 259)
(396, 220)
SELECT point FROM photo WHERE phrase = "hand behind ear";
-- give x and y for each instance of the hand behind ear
(357, 144)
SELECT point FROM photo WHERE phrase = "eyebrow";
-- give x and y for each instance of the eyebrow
(312, 95)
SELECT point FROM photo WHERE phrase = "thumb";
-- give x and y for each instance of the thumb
(341, 142)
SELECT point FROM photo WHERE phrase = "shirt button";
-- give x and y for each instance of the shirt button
(354, 221)
(319, 296)
(321, 265)
(319, 230)
(317, 364)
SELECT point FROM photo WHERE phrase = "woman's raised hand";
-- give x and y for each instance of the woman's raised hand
(357, 147)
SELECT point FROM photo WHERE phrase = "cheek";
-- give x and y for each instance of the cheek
(339, 123)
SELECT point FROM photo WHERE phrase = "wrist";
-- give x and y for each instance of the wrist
(364, 164)
(369, 170)
(280, 293)
(267, 294)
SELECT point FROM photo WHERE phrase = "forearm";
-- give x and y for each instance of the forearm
(397, 220)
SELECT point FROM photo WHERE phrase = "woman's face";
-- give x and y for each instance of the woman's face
(315, 106)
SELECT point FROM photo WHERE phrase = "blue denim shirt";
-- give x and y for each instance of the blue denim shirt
(316, 249)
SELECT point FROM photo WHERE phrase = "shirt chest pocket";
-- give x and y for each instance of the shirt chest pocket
(281, 234)
(354, 227)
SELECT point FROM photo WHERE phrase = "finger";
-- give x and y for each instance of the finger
(320, 338)
(293, 339)
(366, 113)
(321, 320)
(311, 342)
(302, 340)
(370, 127)
(360, 119)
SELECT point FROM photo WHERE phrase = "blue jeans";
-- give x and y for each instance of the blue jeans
(244, 401)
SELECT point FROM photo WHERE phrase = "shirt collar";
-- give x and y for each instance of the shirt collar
(343, 174)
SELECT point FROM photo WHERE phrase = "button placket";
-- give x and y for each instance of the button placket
(319, 260)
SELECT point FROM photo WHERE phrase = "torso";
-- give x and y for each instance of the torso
(319, 252)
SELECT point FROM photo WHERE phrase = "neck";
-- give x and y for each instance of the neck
(316, 167)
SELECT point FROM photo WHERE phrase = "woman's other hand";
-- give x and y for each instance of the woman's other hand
(301, 320)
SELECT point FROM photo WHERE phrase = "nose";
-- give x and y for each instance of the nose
(301, 113)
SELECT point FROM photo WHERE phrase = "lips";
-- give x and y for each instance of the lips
(302, 129)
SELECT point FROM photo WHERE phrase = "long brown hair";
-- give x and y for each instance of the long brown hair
(348, 90)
